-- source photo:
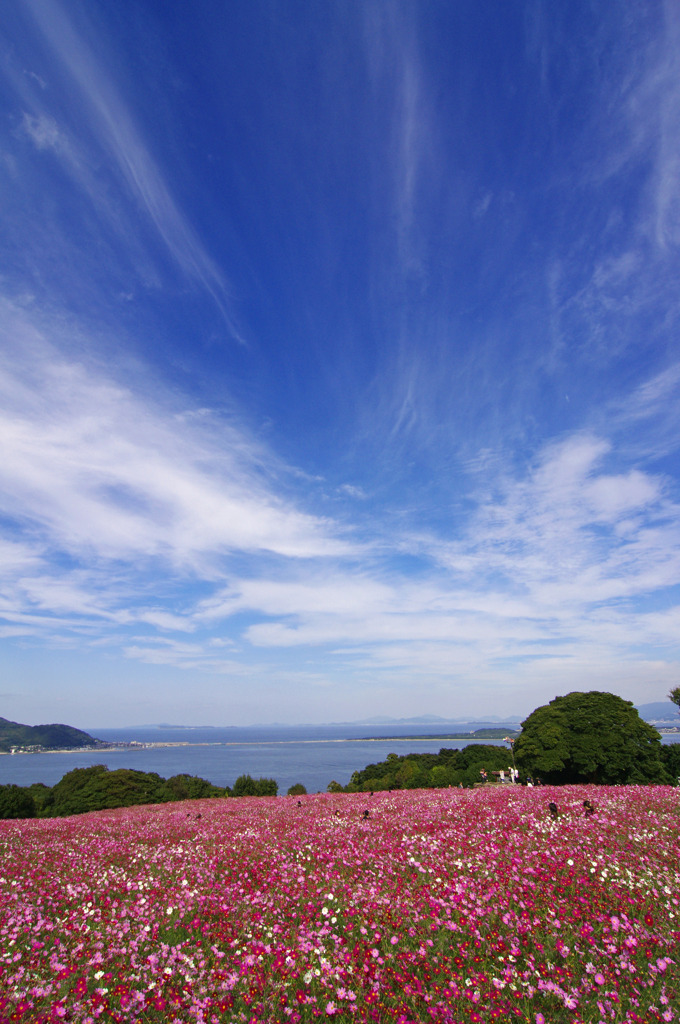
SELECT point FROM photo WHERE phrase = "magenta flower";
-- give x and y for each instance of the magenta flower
(445, 910)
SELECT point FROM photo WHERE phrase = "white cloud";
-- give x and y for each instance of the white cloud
(659, 393)
(126, 513)
(529, 578)
(555, 534)
(164, 620)
(187, 657)
(106, 473)
(17, 557)
(65, 595)
(352, 491)
(43, 130)
(611, 497)
(114, 499)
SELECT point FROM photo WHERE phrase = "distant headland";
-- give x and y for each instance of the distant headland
(18, 738)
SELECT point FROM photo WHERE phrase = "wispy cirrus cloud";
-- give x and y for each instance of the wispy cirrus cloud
(43, 131)
(112, 497)
(104, 122)
(571, 531)
(400, 95)
(613, 283)
(106, 491)
(102, 470)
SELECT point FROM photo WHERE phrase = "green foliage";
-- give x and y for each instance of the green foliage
(245, 785)
(16, 802)
(589, 737)
(297, 790)
(97, 788)
(334, 787)
(674, 695)
(191, 787)
(670, 758)
(494, 733)
(54, 737)
(41, 794)
(432, 771)
(267, 787)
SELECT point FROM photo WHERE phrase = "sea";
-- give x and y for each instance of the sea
(312, 755)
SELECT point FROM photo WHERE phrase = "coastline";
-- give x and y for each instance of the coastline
(160, 744)
(182, 744)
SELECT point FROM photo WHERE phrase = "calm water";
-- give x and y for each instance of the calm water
(312, 756)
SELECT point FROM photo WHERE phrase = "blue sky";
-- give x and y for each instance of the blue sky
(339, 358)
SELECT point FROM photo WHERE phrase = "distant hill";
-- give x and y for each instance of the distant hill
(435, 720)
(53, 737)
(659, 711)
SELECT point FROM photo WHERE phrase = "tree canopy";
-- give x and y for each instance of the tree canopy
(96, 789)
(16, 802)
(589, 737)
(245, 785)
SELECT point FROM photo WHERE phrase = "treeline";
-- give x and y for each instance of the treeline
(432, 771)
(474, 764)
(98, 789)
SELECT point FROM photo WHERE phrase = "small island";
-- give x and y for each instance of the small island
(492, 733)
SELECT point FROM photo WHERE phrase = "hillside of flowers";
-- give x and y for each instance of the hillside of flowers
(450, 905)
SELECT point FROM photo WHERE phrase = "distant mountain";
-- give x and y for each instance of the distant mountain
(659, 711)
(53, 737)
(435, 720)
(169, 725)
(428, 723)
(389, 720)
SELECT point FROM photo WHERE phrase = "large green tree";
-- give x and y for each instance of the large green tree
(589, 737)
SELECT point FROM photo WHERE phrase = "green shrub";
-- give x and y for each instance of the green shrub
(191, 787)
(16, 802)
(96, 788)
(245, 785)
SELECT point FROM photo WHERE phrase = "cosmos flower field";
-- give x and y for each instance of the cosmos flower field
(441, 905)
